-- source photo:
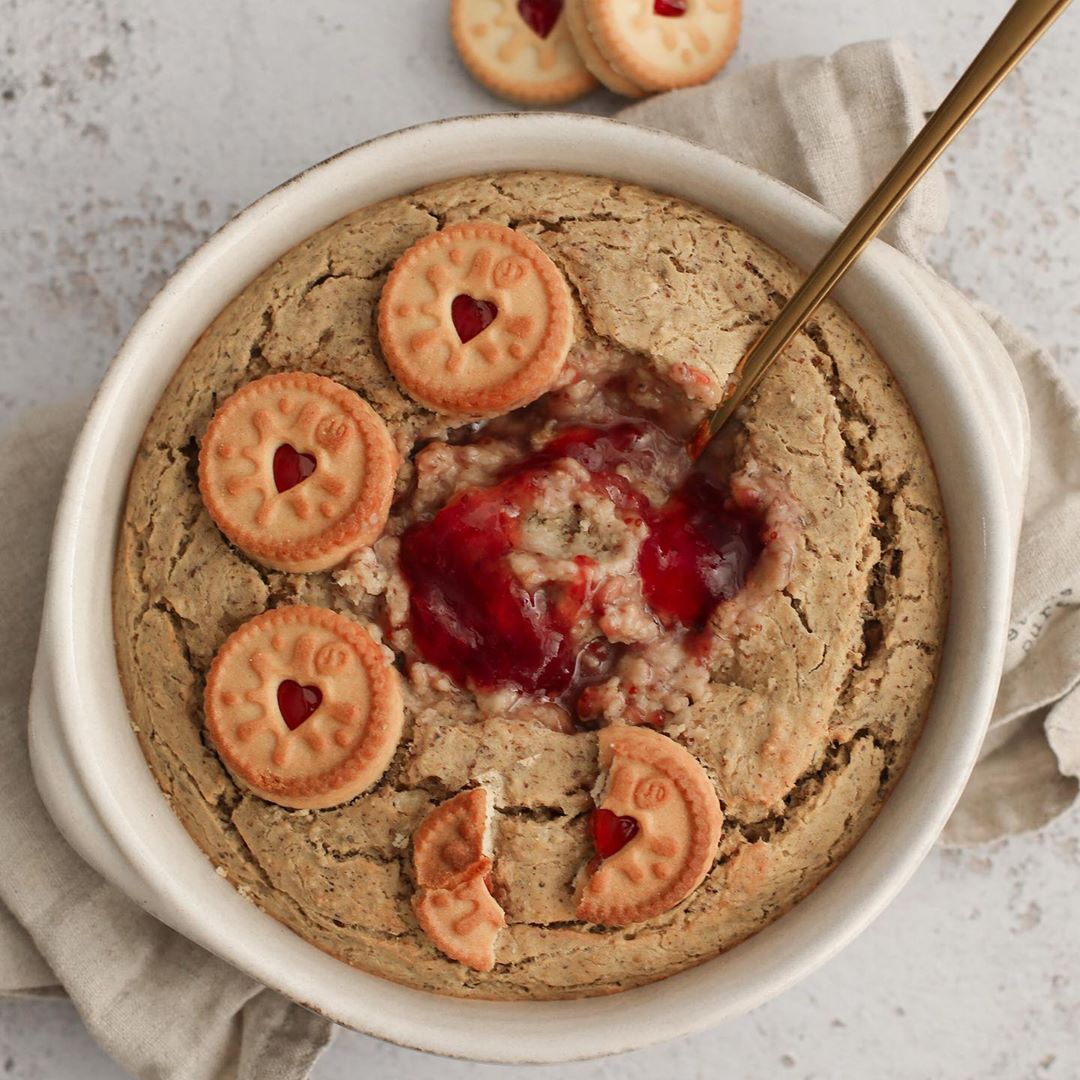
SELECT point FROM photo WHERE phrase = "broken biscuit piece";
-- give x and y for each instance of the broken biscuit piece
(452, 858)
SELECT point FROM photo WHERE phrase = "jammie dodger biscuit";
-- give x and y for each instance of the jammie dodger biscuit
(304, 707)
(297, 471)
(462, 922)
(453, 904)
(664, 44)
(656, 829)
(592, 57)
(520, 49)
(475, 320)
(449, 846)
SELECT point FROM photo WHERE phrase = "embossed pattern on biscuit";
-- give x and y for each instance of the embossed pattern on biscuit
(449, 845)
(462, 922)
(520, 49)
(304, 707)
(664, 45)
(475, 320)
(453, 903)
(297, 471)
(659, 786)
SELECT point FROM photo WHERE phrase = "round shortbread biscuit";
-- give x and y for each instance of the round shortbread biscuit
(520, 49)
(593, 57)
(297, 471)
(664, 44)
(677, 818)
(475, 320)
(303, 707)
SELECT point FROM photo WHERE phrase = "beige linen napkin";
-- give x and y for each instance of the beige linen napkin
(163, 1007)
(159, 1004)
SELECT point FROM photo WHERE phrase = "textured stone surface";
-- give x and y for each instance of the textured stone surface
(129, 131)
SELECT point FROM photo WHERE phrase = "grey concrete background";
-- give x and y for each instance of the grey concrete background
(130, 129)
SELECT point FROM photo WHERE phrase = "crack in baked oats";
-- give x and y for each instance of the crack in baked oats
(812, 699)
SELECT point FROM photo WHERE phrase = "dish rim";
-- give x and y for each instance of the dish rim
(516, 1032)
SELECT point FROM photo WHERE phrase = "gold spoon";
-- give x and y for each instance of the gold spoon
(1025, 23)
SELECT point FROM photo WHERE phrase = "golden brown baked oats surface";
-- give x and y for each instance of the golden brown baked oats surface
(804, 720)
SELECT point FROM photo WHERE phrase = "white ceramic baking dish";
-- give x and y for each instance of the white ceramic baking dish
(87, 761)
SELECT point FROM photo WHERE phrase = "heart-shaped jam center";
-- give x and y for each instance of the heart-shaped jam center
(290, 466)
(540, 15)
(297, 702)
(669, 8)
(471, 316)
(611, 833)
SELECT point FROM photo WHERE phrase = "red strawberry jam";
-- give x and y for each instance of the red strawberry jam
(297, 702)
(669, 8)
(471, 616)
(611, 833)
(470, 316)
(540, 15)
(698, 553)
(290, 467)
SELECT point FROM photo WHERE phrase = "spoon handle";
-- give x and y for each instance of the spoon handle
(1025, 23)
